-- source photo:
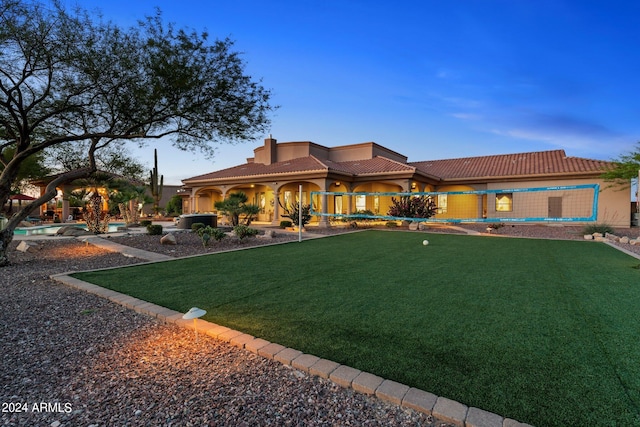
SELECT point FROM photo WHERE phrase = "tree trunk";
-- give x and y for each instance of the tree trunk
(6, 236)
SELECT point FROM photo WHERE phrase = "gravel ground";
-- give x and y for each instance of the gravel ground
(72, 359)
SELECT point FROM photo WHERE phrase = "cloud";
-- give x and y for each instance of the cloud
(467, 116)
(563, 131)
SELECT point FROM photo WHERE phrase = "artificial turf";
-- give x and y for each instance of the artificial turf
(544, 332)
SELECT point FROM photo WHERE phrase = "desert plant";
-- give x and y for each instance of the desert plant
(196, 226)
(145, 222)
(156, 184)
(292, 212)
(154, 229)
(236, 205)
(598, 228)
(208, 232)
(243, 231)
(285, 224)
(391, 224)
(412, 207)
(93, 216)
(130, 215)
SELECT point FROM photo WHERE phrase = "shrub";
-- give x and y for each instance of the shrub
(598, 228)
(154, 229)
(243, 231)
(391, 224)
(285, 224)
(206, 233)
(196, 226)
(412, 207)
(145, 222)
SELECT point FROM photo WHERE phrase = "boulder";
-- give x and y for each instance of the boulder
(70, 230)
(588, 237)
(612, 237)
(26, 246)
(422, 226)
(413, 225)
(168, 239)
(624, 239)
(598, 235)
(634, 242)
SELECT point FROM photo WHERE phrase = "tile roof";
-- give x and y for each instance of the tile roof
(377, 165)
(540, 163)
(553, 162)
(302, 164)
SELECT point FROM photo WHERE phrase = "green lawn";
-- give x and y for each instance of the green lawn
(545, 332)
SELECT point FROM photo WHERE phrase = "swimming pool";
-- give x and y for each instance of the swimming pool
(48, 230)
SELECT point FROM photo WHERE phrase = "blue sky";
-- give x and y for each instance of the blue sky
(429, 79)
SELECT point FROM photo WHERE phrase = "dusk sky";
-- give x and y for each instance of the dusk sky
(428, 79)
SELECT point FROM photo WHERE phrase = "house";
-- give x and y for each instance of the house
(486, 188)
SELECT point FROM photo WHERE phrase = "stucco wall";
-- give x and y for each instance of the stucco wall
(613, 205)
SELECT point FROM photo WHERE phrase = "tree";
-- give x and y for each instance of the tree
(174, 206)
(66, 79)
(412, 207)
(292, 211)
(626, 169)
(236, 205)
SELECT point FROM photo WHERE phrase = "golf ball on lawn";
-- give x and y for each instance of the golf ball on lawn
(425, 242)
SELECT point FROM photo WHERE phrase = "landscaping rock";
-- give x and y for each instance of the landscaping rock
(588, 237)
(624, 239)
(168, 239)
(413, 226)
(26, 246)
(268, 234)
(72, 231)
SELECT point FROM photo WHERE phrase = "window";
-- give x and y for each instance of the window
(504, 202)
(442, 203)
(338, 204)
(361, 203)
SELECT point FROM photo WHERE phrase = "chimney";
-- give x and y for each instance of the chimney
(270, 151)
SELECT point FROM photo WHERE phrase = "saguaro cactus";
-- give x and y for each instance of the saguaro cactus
(156, 184)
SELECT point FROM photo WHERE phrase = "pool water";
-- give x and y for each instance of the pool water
(48, 230)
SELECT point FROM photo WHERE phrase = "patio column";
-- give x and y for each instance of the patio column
(324, 219)
(276, 207)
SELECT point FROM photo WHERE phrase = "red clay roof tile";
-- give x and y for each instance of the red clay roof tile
(553, 162)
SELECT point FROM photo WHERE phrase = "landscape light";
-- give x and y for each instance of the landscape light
(194, 313)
